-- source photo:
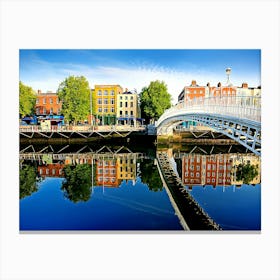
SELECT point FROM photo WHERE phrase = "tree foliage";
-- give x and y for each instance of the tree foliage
(154, 99)
(27, 100)
(150, 175)
(246, 173)
(74, 91)
(77, 184)
(27, 181)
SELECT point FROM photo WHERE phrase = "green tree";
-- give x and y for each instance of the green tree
(154, 100)
(150, 175)
(27, 181)
(27, 100)
(246, 172)
(77, 184)
(75, 95)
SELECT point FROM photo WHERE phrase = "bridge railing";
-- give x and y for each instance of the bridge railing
(247, 107)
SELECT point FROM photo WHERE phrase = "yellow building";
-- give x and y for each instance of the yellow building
(105, 102)
(126, 167)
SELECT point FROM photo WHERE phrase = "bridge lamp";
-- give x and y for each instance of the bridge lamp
(228, 72)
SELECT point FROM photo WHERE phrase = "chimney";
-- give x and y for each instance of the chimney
(244, 85)
(193, 83)
(39, 91)
(208, 85)
(219, 84)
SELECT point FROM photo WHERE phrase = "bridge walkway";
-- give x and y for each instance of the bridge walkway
(193, 215)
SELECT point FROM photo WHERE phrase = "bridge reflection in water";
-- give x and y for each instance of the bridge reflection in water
(179, 171)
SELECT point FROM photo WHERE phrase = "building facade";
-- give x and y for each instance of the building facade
(47, 103)
(105, 97)
(127, 108)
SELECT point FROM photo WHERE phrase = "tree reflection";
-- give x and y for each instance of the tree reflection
(246, 172)
(77, 184)
(150, 175)
(27, 181)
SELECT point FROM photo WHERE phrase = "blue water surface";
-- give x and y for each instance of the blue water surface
(128, 207)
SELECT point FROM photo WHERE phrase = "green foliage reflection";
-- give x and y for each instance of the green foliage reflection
(246, 172)
(150, 175)
(77, 184)
(27, 181)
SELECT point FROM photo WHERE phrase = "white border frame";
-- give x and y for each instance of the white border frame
(135, 24)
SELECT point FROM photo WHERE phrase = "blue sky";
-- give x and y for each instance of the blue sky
(134, 69)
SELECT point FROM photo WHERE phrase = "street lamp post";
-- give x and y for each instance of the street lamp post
(90, 107)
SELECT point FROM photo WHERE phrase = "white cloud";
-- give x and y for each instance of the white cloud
(50, 75)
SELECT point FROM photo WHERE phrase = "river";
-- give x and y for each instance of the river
(118, 188)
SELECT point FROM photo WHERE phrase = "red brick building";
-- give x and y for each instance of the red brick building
(51, 170)
(106, 173)
(47, 104)
(212, 170)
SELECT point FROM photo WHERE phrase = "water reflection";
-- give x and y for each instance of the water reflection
(123, 183)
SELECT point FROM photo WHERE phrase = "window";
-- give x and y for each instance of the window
(105, 110)
(44, 111)
(125, 104)
(99, 101)
(197, 167)
(99, 92)
(106, 101)
(192, 174)
(131, 113)
(105, 92)
(186, 173)
(47, 171)
(51, 111)
(53, 171)
(99, 109)
(121, 104)
(37, 111)
(213, 166)
(197, 174)
(112, 110)
(120, 113)
(131, 104)
(191, 167)
(51, 101)
(208, 180)
(208, 166)
(112, 101)
(41, 171)
(60, 172)
(213, 180)
(208, 174)
(194, 91)
(126, 113)
(112, 92)
(200, 91)
(213, 174)
(37, 101)
(198, 159)
(120, 97)
(131, 97)
(126, 98)
(57, 100)
(44, 100)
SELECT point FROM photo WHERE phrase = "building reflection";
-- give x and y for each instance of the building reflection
(217, 170)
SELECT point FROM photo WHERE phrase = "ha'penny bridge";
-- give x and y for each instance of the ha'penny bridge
(239, 118)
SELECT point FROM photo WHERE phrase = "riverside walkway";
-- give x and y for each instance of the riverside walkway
(84, 131)
(189, 212)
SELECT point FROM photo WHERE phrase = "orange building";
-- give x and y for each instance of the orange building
(47, 104)
(51, 170)
(212, 170)
(106, 172)
(194, 91)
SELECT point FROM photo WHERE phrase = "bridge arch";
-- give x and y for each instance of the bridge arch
(238, 118)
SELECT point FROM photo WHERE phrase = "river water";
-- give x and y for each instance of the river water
(103, 188)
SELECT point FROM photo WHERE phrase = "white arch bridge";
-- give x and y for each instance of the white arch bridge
(238, 117)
